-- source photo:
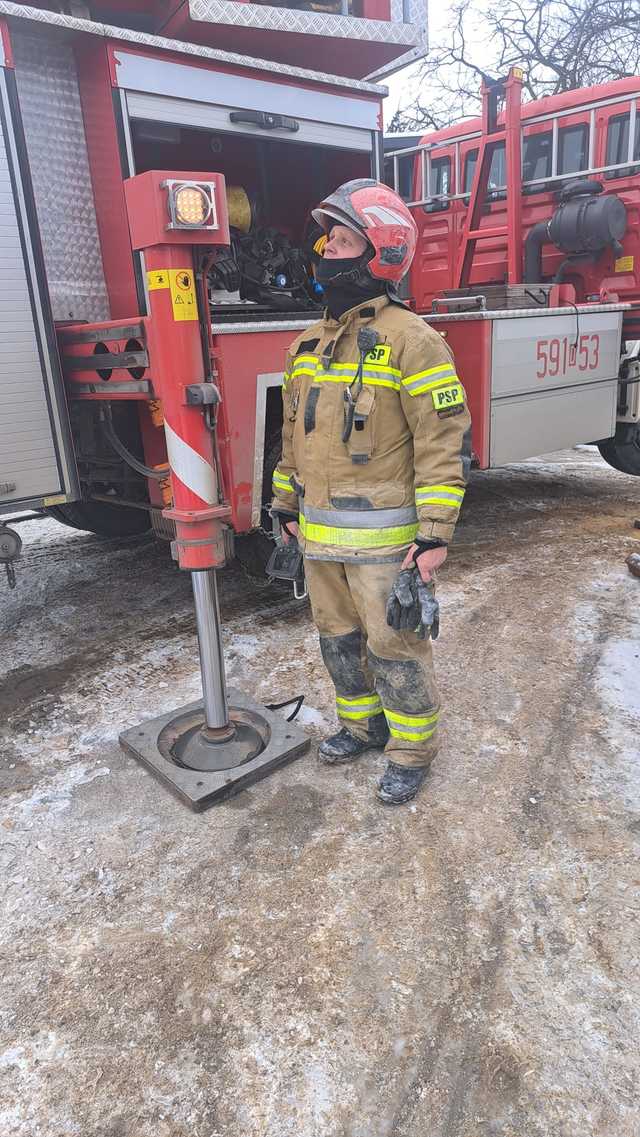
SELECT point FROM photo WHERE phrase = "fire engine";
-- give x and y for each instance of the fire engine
(528, 262)
(157, 175)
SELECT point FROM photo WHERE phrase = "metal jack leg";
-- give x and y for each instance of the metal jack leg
(208, 750)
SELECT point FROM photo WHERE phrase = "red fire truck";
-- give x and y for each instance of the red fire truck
(527, 257)
(528, 262)
(88, 106)
(155, 264)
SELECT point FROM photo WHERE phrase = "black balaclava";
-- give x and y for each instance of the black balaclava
(345, 284)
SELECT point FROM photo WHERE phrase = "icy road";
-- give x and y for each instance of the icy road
(301, 961)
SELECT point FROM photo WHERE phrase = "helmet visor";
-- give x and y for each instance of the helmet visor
(329, 215)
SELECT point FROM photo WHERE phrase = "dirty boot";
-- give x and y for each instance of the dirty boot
(400, 783)
(343, 746)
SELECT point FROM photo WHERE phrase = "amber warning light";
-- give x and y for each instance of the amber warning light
(191, 205)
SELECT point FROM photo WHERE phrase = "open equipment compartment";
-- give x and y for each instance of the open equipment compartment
(98, 111)
(279, 161)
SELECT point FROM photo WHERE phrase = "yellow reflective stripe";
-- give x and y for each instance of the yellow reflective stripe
(305, 359)
(372, 368)
(422, 387)
(377, 376)
(450, 496)
(429, 371)
(438, 501)
(357, 538)
(413, 720)
(285, 378)
(417, 728)
(421, 381)
(418, 736)
(385, 367)
(428, 386)
(281, 481)
(455, 490)
(303, 371)
(364, 707)
(368, 380)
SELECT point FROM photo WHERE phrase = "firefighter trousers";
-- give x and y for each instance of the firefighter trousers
(375, 670)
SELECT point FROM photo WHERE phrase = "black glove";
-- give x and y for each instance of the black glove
(429, 609)
(412, 605)
(280, 517)
(225, 273)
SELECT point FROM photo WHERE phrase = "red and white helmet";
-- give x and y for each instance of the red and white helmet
(378, 214)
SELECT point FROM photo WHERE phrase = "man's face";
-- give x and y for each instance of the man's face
(344, 243)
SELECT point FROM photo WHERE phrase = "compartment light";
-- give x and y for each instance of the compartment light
(191, 205)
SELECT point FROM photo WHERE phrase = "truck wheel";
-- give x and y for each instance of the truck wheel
(102, 519)
(254, 549)
(253, 552)
(623, 451)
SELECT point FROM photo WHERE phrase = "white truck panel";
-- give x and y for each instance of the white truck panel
(554, 382)
(34, 454)
(551, 420)
(541, 353)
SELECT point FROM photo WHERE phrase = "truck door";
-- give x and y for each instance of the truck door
(37, 466)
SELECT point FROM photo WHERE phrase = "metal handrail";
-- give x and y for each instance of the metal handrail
(553, 176)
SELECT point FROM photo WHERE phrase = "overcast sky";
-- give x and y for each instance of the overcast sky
(400, 85)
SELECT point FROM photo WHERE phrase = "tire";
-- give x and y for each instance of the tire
(253, 552)
(623, 451)
(254, 549)
(102, 519)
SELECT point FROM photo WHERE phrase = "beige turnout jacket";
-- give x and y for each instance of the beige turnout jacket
(404, 468)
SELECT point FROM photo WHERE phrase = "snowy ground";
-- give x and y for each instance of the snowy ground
(301, 961)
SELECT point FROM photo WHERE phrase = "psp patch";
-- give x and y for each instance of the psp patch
(380, 354)
(446, 397)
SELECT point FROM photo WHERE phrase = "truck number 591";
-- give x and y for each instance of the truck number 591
(556, 357)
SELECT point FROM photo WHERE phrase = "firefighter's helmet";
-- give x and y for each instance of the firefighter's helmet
(381, 217)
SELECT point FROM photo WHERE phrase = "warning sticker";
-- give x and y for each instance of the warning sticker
(183, 294)
(623, 264)
(157, 278)
(446, 397)
(380, 354)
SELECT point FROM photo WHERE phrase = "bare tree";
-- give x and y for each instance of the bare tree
(561, 45)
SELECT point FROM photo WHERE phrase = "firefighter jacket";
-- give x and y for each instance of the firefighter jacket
(402, 472)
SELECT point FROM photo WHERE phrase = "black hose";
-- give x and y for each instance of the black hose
(158, 473)
(297, 699)
(536, 238)
(572, 259)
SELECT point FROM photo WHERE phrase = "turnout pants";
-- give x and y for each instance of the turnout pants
(375, 670)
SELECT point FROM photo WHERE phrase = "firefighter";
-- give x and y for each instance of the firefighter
(375, 458)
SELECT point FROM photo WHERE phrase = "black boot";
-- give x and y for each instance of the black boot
(343, 746)
(400, 783)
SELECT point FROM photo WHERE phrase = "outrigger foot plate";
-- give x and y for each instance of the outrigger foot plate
(201, 769)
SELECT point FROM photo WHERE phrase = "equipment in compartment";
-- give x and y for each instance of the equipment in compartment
(265, 268)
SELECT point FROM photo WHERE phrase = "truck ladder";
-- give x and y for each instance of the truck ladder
(507, 91)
